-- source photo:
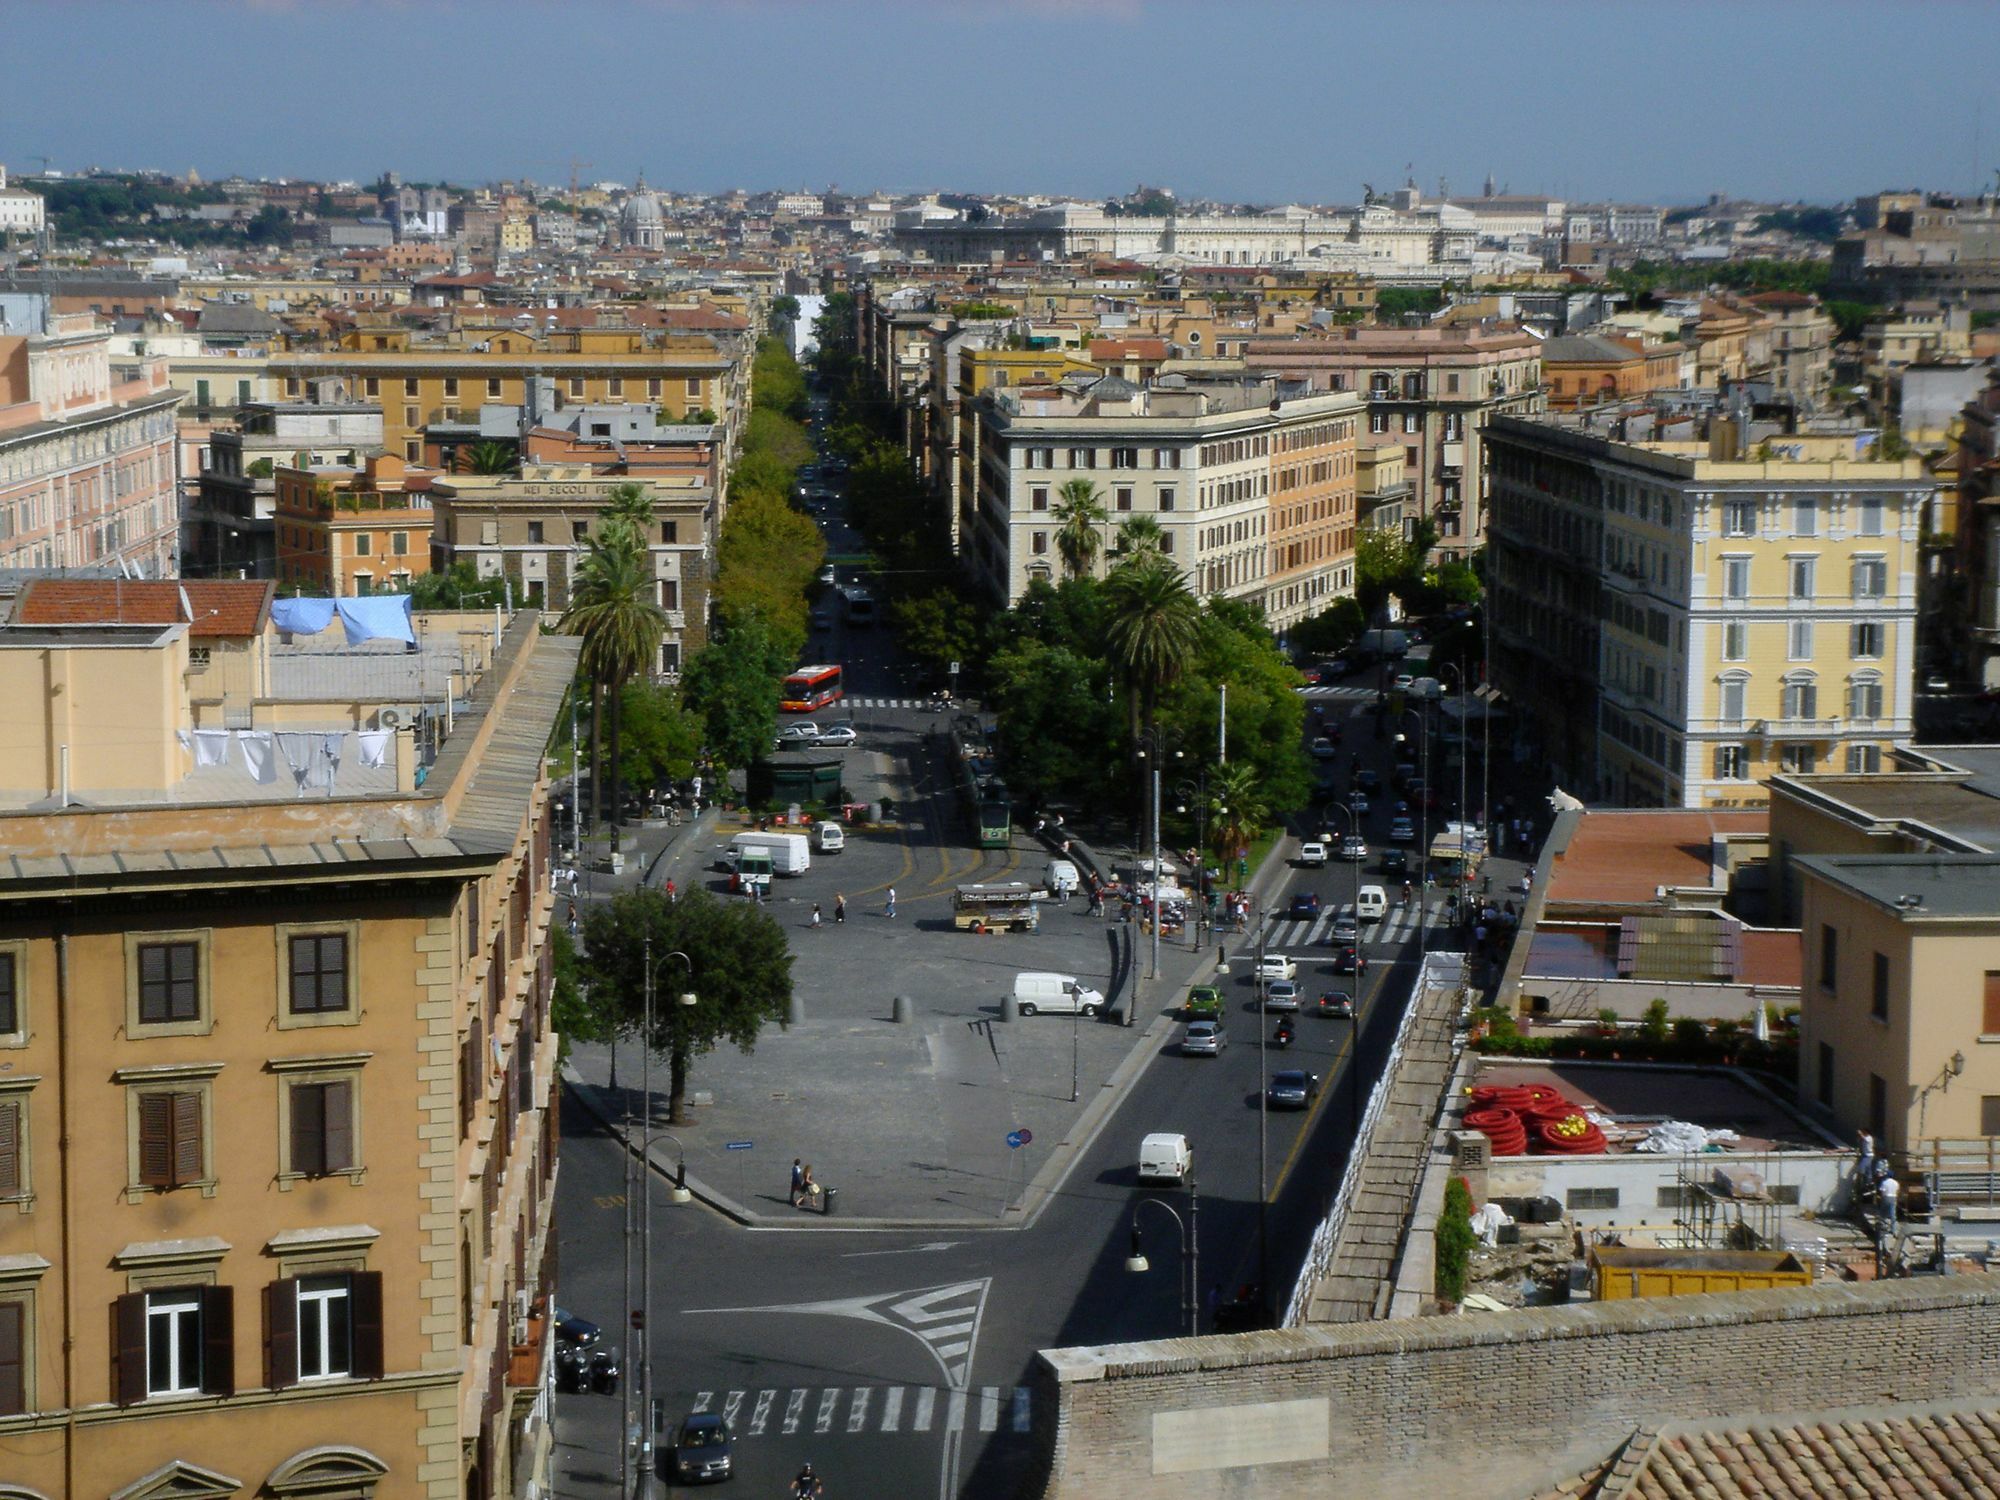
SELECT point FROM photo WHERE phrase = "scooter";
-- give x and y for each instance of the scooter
(604, 1371)
(571, 1367)
(1283, 1036)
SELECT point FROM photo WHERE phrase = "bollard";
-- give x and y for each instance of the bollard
(1010, 1008)
(795, 1012)
(904, 1012)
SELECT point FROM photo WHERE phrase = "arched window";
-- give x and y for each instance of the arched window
(1735, 689)
(1801, 696)
(329, 1472)
(1864, 695)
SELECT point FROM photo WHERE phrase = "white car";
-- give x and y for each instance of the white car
(805, 729)
(1312, 853)
(1276, 966)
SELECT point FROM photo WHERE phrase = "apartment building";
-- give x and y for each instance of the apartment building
(1581, 370)
(279, 1152)
(230, 529)
(1973, 629)
(1801, 343)
(1433, 388)
(418, 382)
(87, 470)
(345, 530)
(1676, 621)
(532, 529)
(1252, 484)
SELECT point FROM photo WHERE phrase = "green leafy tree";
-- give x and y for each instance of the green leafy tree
(1384, 564)
(766, 560)
(1060, 734)
(1080, 520)
(1455, 1240)
(1153, 628)
(1140, 538)
(733, 686)
(613, 608)
(776, 382)
(660, 739)
(458, 587)
(488, 457)
(738, 969)
(939, 628)
(1333, 629)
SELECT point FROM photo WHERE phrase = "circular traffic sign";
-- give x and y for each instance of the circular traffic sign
(1025, 1134)
(1013, 1140)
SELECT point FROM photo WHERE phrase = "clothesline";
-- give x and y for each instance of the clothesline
(313, 756)
(366, 617)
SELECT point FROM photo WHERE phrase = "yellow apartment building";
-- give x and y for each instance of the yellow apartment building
(344, 531)
(420, 381)
(1678, 621)
(277, 1144)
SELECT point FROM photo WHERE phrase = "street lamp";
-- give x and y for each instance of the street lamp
(1189, 1228)
(1152, 747)
(1194, 794)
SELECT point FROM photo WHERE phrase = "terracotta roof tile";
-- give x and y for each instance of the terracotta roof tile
(223, 608)
(1624, 857)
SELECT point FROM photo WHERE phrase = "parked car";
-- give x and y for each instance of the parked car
(574, 1330)
(1203, 1039)
(1359, 804)
(1291, 1088)
(1304, 904)
(1204, 1003)
(1281, 995)
(1403, 682)
(702, 1449)
(837, 735)
(1276, 966)
(803, 732)
(1354, 847)
(1312, 853)
(1336, 1004)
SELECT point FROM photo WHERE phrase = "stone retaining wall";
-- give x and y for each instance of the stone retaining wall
(1490, 1404)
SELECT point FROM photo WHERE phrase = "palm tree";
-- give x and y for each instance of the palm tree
(1140, 538)
(613, 607)
(631, 503)
(1153, 627)
(1079, 514)
(1238, 810)
(487, 457)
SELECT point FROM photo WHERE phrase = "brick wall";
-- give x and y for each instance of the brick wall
(1490, 1405)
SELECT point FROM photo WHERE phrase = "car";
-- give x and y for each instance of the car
(1372, 904)
(1334, 667)
(828, 575)
(1203, 1039)
(836, 734)
(571, 1329)
(1359, 804)
(1291, 1088)
(1333, 731)
(1336, 1004)
(1282, 995)
(1204, 1003)
(822, 619)
(1350, 960)
(1346, 930)
(1304, 904)
(1322, 748)
(1403, 775)
(1368, 780)
(1311, 675)
(1354, 847)
(804, 730)
(702, 1449)
(1312, 853)
(1403, 682)
(1276, 966)
(1395, 862)
(1402, 830)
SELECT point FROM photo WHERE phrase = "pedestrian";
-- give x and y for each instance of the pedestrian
(1886, 1194)
(890, 911)
(815, 915)
(1865, 1168)
(798, 1181)
(808, 1189)
(572, 921)
(839, 908)
(670, 893)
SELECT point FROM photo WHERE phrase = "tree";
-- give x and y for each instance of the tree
(739, 970)
(1334, 628)
(1383, 564)
(1239, 810)
(458, 587)
(938, 628)
(1060, 736)
(660, 738)
(1153, 628)
(733, 686)
(487, 457)
(1140, 538)
(1080, 519)
(613, 607)
(766, 559)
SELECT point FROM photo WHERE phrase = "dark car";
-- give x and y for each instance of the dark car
(1304, 904)
(1395, 862)
(1350, 960)
(1369, 781)
(574, 1330)
(1337, 1004)
(701, 1453)
(1291, 1089)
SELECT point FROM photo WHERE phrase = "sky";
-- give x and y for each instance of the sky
(1254, 101)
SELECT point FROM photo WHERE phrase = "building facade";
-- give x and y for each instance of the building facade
(1676, 621)
(346, 531)
(230, 529)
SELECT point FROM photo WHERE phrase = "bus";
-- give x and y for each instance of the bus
(997, 908)
(981, 792)
(810, 688)
(860, 605)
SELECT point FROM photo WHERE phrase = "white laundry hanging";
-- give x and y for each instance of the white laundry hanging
(301, 750)
(260, 758)
(374, 745)
(211, 747)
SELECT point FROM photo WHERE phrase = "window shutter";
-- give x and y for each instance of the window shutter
(187, 1139)
(128, 1340)
(308, 1128)
(336, 1127)
(218, 1340)
(13, 1354)
(365, 1296)
(156, 1148)
(10, 1150)
(1990, 1020)
(281, 1333)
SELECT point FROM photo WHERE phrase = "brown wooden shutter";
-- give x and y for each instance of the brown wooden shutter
(128, 1342)
(10, 1149)
(336, 1127)
(218, 1340)
(156, 1140)
(365, 1294)
(1990, 1025)
(281, 1333)
(13, 1356)
(187, 1138)
(308, 1128)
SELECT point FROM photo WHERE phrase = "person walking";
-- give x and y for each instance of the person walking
(839, 908)
(815, 915)
(670, 892)
(1887, 1191)
(798, 1181)
(890, 910)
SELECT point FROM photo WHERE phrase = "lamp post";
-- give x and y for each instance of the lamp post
(1263, 1127)
(1189, 1229)
(1151, 748)
(1195, 794)
(1464, 813)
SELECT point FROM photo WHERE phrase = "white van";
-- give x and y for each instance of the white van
(1166, 1157)
(830, 838)
(1063, 994)
(791, 853)
(1372, 903)
(1063, 879)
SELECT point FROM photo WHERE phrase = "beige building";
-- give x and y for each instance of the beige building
(1678, 621)
(277, 1147)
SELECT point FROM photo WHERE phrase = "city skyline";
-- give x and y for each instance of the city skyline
(1065, 99)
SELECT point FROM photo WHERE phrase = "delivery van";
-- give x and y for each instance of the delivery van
(1372, 903)
(1063, 994)
(1063, 879)
(791, 853)
(1165, 1157)
(830, 837)
(749, 870)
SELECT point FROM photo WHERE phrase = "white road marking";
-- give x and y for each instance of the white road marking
(794, 1409)
(730, 1406)
(760, 1415)
(702, 1399)
(989, 1407)
(823, 1419)
(892, 1409)
(857, 1414)
(926, 1404)
(955, 1418)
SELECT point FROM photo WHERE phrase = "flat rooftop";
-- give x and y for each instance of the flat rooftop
(1921, 885)
(1636, 1097)
(1622, 858)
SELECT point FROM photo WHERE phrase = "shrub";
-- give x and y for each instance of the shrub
(1454, 1241)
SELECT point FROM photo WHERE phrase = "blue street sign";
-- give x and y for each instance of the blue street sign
(738, 1145)
(1014, 1140)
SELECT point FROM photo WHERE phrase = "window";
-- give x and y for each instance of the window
(576, 387)
(171, 1139)
(1800, 699)
(1039, 543)
(169, 989)
(175, 1341)
(1038, 497)
(1739, 518)
(1871, 578)
(1799, 640)
(1735, 641)
(1878, 1002)
(13, 1147)
(409, 388)
(1732, 699)
(1829, 955)
(399, 543)
(534, 531)
(579, 531)
(1825, 1073)
(1871, 515)
(653, 389)
(451, 388)
(493, 389)
(371, 386)
(694, 387)
(1799, 760)
(1592, 1197)
(1736, 577)
(670, 593)
(1124, 458)
(1989, 1114)
(1805, 516)
(364, 544)
(1802, 572)
(1124, 497)
(1864, 759)
(615, 388)
(1166, 497)
(1731, 764)
(1864, 698)
(1989, 1024)
(1866, 640)
(13, 1358)
(11, 1023)
(324, 1326)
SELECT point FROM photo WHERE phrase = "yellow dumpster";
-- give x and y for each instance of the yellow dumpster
(1618, 1272)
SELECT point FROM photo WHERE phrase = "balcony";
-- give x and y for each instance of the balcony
(524, 1360)
(1797, 729)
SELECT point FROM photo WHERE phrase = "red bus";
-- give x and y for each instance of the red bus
(810, 688)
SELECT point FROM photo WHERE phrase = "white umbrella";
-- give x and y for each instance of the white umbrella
(1762, 1024)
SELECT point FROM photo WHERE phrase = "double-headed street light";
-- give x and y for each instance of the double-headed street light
(1194, 795)
(1190, 1267)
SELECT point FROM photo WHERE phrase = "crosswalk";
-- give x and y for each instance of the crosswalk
(853, 702)
(1400, 924)
(1325, 691)
(894, 1409)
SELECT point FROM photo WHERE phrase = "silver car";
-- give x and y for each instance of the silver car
(1281, 994)
(1203, 1039)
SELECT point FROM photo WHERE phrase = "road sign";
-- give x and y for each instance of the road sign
(738, 1145)
(1016, 1139)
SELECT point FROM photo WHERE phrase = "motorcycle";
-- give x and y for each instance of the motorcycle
(571, 1368)
(604, 1371)
(1283, 1036)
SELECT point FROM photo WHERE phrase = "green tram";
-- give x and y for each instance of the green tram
(980, 789)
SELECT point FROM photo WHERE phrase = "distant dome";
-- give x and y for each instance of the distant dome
(642, 208)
